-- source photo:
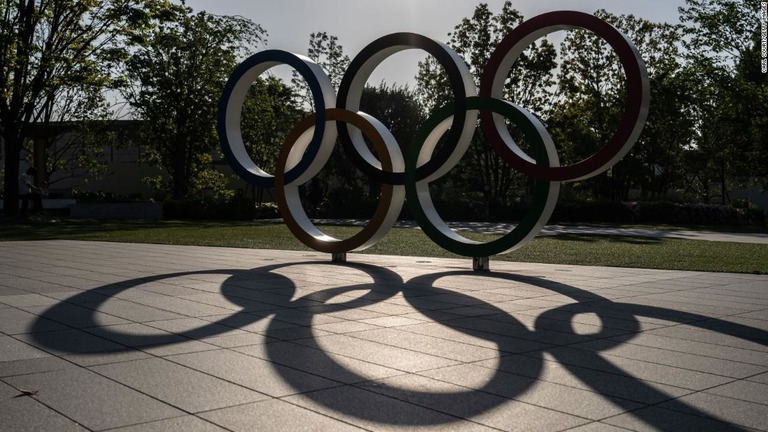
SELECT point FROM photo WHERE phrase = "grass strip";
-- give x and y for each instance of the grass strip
(590, 250)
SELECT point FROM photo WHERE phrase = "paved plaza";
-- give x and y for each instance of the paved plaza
(128, 337)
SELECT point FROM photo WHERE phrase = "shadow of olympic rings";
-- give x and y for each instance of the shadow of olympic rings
(243, 286)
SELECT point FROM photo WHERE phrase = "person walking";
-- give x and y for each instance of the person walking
(29, 192)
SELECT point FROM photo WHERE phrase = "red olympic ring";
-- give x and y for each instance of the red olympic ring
(632, 122)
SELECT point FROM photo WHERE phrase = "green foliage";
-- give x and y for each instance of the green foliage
(730, 96)
(593, 95)
(326, 51)
(176, 78)
(692, 214)
(721, 29)
(208, 181)
(752, 93)
(530, 83)
(231, 208)
(397, 107)
(269, 113)
(55, 59)
(474, 39)
(707, 119)
(105, 197)
(594, 211)
(346, 192)
(340, 190)
(78, 153)
(705, 135)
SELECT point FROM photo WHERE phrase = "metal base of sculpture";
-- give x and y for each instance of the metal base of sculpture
(340, 257)
(481, 264)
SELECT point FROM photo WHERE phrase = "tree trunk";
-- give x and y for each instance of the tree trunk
(723, 186)
(180, 184)
(11, 175)
(180, 174)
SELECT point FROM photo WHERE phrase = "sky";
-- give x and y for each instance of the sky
(356, 23)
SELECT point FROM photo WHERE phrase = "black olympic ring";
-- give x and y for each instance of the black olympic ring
(351, 91)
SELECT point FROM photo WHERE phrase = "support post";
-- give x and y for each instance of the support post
(339, 257)
(481, 264)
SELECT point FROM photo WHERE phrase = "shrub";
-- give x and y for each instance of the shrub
(657, 212)
(692, 214)
(235, 208)
(597, 211)
(106, 197)
(466, 208)
(755, 214)
(343, 203)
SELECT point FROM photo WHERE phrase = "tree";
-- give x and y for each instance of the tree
(397, 107)
(730, 111)
(348, 193)
(592, 96)
(330, 190)
(753, 83)
(326, 51)
(176, 80)
(270, 111)
(72, 150)
(530, 83)
(339, 189)
(656, 164)
(48, 48)
(721, 29)
(474, 39)
(71, 137)
(711, 150)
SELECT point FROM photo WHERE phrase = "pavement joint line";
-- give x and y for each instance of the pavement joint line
(282, 399)
(667, 365)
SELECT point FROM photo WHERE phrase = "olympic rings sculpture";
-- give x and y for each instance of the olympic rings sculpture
(309, 145)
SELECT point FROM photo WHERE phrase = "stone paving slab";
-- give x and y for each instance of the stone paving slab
(127, 337)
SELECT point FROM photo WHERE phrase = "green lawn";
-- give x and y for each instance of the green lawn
(564, 249)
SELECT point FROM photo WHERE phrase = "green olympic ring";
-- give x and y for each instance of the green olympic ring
(420, 201)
